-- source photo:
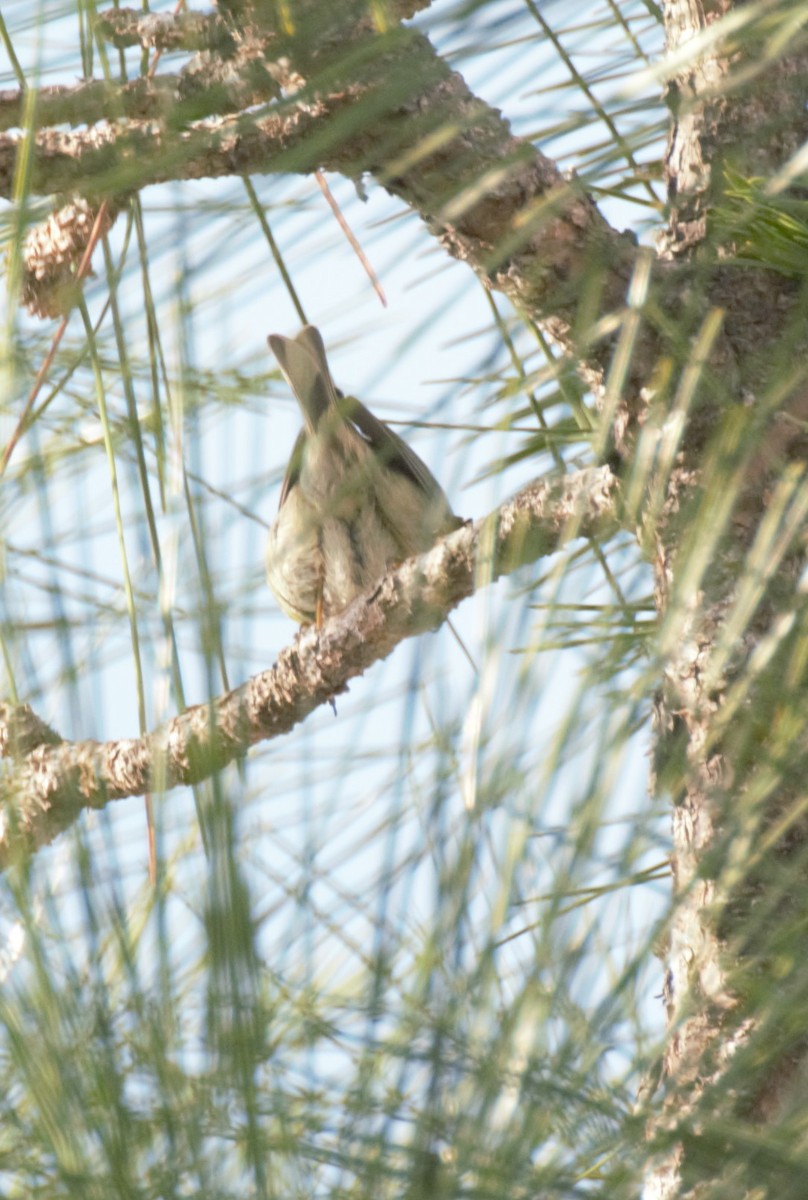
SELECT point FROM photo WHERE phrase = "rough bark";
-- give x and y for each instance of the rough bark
(731, 112)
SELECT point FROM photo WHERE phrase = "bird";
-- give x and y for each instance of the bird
(355, 498)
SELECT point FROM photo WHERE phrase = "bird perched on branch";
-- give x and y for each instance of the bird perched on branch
(355, 498)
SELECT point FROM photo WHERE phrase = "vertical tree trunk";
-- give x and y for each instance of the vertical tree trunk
(737, 825)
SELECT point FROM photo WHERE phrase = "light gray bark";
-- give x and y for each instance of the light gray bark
(51, 781)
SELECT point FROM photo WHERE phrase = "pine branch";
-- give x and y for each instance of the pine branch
(49, 781)
(357, 102)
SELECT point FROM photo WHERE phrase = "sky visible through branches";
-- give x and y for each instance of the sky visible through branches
(351, 835)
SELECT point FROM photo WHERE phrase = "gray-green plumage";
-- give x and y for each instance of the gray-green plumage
(355, 498)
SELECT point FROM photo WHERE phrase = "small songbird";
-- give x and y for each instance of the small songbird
(355, 498)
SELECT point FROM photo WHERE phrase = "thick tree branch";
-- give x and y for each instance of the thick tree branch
(123, 27)
(736, 111)
(175, 100)
(49, 785)
(381, 104)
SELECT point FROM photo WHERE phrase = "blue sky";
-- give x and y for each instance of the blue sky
(345, 827)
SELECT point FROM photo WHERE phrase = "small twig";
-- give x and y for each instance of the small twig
(346, 229)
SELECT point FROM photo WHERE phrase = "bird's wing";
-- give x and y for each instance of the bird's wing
(292, 468)
(391, 450)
